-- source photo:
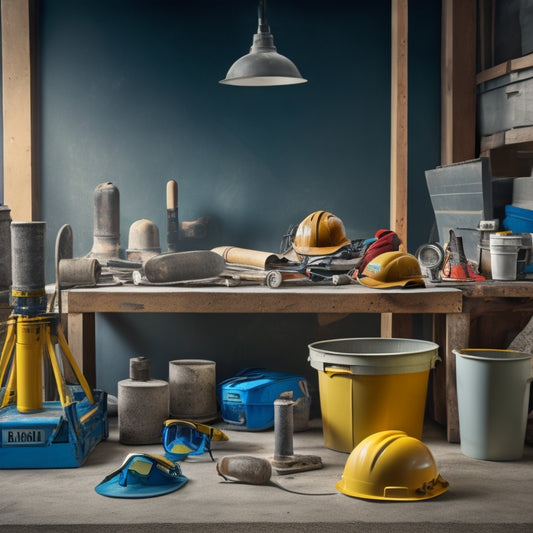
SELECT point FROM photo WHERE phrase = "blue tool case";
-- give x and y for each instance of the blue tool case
(247, 399)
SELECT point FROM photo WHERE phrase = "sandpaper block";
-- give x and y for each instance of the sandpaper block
(182, 266)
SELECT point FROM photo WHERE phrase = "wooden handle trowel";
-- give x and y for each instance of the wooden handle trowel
(173, 228)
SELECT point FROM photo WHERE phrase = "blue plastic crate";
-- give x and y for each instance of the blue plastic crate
(247, 399)
(518, 220)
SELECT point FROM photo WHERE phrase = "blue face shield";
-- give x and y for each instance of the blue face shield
(142, 475)
(182, 438)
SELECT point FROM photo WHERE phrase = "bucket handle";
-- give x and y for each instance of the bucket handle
(337, 371)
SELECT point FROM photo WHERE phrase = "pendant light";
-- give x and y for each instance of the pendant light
(263, 66)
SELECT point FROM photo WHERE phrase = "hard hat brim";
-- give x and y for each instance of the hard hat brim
(355, 494)
(405, 284)
(320, 250)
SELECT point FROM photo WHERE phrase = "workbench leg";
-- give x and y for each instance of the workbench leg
(397, 325)
(81, 331)
(456, 337)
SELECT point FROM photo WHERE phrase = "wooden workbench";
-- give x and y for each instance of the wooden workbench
(396, 307)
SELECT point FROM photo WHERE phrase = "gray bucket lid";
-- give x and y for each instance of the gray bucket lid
(374, 355)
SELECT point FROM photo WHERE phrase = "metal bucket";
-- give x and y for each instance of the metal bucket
(493, 398)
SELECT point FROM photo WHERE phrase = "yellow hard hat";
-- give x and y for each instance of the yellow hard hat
(392, 269)
(390, 465)
(320, 233)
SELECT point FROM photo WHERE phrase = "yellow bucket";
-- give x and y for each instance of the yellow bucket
(371, 384)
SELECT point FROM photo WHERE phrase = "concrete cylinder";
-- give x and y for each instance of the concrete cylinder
(27, 256)
(192, 385)
(283, 428)
(5, 247)
(82, 271)
(142, 405)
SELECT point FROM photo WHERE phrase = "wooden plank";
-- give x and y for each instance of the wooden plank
(439, 374)
(396, 325)
(494, 72)
(399, 109)
(491, 289)
(519, 135)
(342, 299)
(490, 142)
(512, 65)
(81, 331)
(458, 116)
(523, 62)
(21, 184)
(485, 34)
(457, 337)
(504, 138)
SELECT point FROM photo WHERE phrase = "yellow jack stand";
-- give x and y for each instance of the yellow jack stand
(37, 433)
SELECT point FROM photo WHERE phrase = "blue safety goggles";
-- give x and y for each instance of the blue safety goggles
(182, 438)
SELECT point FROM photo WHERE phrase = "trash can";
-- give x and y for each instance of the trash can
(371, 384)
(493, 398)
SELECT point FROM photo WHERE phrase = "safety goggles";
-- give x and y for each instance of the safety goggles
(142, 475)
(182, 438)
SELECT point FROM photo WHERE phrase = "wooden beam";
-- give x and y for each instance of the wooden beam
(398, 150)
(21, 184)
(396, 325)
(458, 114)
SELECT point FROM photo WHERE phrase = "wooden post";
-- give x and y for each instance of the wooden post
(398, 177)
(458, 114)
(21, 184)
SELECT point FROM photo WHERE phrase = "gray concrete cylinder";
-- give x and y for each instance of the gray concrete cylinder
(192, 384)
(27, 256)
(5, 247)
(283, 428)
(142, 405)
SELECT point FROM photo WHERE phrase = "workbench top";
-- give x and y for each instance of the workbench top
(259, 299)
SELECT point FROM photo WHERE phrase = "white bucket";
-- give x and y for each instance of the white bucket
(504, 256)
(493, 397)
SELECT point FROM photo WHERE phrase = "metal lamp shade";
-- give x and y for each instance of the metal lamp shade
(263, 66)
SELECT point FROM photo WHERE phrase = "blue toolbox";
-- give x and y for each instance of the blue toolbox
(247, 399)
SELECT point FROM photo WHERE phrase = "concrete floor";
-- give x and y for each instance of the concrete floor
(483, 495)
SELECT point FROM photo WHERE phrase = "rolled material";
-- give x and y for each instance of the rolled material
(192, 385)
(244, 256)
(245, 468)
(80, 271)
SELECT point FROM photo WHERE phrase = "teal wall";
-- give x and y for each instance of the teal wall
(129, 93)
